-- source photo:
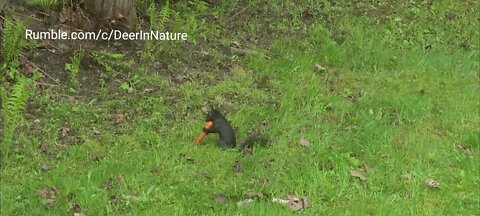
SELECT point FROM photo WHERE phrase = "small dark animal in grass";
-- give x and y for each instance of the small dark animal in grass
(217, 123)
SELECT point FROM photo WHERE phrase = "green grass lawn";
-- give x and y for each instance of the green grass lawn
(398, 102)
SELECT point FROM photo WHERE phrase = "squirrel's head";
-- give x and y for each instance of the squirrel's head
(214, 115)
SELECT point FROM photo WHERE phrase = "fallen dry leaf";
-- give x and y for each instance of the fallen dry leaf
(112, 199)
(49, 195)
(108, 185)
(236, 43)
(406, 176)
(463, 149)
(77, 211)
(119, 117)
(320, 67)
(45, 149)
(303, 142)
(220, 198)
(432, 183)
(280, 201)
(266, 181)
(75, 208)
(358, 174)
(268, 163)
(49, 202)
(366, 168)
(45, 167)
(203, 53)
(43, 192)
(243, 51)
(304, 128)
(248, 150)
(148, 90)
(120, 180)
(238, 166)
(72, 99)
(120, 16)
(293, 202)
(96, 132)
(245, 202)
(63, 131)
(48, 192)
(298, 203)
(351, 127)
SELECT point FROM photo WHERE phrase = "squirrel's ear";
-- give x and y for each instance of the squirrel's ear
(211, 114)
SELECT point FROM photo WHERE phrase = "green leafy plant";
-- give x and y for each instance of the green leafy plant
(13, 105)
(158, 22)
(74, 67)
(131, 83)
(13, 41)
(113, 63)
(48, 4)
(13, 89)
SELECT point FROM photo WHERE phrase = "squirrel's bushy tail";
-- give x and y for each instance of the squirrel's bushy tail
(251, 139)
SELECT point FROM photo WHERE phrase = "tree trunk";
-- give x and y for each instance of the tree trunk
(119, 10)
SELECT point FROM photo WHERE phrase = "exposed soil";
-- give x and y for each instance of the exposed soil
(52, 55)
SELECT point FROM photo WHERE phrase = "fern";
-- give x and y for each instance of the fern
(164, 16)
(47, 4)
(152, 13)
(13, 41)
(13, 106)
(158, 22)
(74, 67)
(148, 48)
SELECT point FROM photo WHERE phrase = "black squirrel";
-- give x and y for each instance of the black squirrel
(217, 123)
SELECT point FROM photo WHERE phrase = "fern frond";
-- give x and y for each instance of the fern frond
(13, 106)
(164, 15)
(152, 13)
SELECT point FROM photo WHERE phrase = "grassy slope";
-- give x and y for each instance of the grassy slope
(411, 110)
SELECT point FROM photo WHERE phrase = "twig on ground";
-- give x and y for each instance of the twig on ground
(40, 69)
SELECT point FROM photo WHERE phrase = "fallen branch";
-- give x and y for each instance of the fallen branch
(39, 69)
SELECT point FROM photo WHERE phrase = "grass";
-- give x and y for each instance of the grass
(385, 106)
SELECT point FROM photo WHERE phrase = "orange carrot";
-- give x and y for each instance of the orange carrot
(203, 134)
